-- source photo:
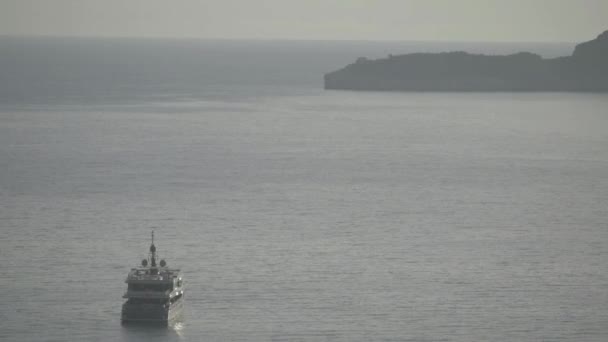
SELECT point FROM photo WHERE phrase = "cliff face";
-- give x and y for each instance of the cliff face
(590, 63)
(585, 70)
(593, 51)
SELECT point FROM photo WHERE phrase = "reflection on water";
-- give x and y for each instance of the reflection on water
(178, 327)
(145, 331)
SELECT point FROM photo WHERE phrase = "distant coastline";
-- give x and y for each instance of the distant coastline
(586, 70)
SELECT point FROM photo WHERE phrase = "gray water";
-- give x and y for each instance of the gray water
(302, 214)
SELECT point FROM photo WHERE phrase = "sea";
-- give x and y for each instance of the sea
(295, 213)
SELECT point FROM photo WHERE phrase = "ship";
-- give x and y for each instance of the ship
(155, 292)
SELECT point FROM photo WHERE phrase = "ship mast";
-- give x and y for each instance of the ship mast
(152, 253)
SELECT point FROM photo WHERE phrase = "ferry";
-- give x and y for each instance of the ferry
(155, 292)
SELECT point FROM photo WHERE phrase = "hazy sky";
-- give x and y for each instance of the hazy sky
(462, 20)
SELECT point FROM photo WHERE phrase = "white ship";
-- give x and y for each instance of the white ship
(155, 293)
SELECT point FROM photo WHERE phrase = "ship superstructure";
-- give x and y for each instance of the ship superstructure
(155, 292)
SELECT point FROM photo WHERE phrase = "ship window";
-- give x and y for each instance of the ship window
(150, 287)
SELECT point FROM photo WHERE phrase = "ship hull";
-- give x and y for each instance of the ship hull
(153, 314)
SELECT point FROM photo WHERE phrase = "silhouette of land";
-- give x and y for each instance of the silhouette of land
(585, 70)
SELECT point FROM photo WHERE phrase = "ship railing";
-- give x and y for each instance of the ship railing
(148, 277)
(147, 294)
(144, 274)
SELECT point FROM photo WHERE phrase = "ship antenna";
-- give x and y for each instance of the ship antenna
(152, 252)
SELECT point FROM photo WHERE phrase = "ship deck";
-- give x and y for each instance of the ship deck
(142, 275)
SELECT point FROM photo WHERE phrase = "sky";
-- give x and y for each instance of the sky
(428, 20)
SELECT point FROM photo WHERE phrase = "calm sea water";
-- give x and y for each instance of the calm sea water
(297, 213)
